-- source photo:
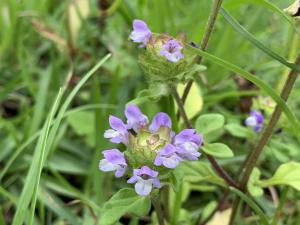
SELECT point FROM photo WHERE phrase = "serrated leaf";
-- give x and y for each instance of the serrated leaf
(217, 149)
(209, 123)
(123, 202)
(286, 174)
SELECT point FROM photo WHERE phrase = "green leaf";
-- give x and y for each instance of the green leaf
(154, 93)
(286, 174)
(218, 150)
(83, 125)
(239, 131)
(195, 172)
(176, 178)
(123, 202)
(194, 100)
(208, 123)
(253, 185)
(259, 83)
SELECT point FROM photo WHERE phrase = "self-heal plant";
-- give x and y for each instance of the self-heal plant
(255, 120)
(162, 57)
(152, 150)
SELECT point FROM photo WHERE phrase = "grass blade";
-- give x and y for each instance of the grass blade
(34, 174)
(32, 180)
(252, 204)
(246, 34)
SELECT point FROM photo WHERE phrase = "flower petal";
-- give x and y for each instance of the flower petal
(160, 119)
(140, 33)
(143, 187)
(188, 135)
(114, 156)
(120, 171)
(107, 166)
(135, 118)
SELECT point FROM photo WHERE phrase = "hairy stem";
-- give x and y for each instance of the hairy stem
(253, 157)
(221, 172)
(158, 209)
(204, 42)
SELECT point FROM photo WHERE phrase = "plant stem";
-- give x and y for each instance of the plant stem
(177, 206)
(158, 209)
(180, 105)
(221, 172)
(204, 42)
(252, 159)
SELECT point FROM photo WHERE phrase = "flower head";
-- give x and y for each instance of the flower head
(255, 120)
(145, 179)
(172, 50)
(118, 133)
(141, 33)
(149, 146)
(113, 161)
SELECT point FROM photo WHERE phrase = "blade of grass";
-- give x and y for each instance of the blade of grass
(265, 87)
(252, 204)
(33, 174)
(32, 138)
(246, 34)
(32, 179)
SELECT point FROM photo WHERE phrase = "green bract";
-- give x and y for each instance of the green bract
(143, 146)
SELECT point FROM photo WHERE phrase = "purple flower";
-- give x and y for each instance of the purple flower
(159, 120)
(255, 120)
(145, 179)
(135, 118)
(113, 161)
(168, 156)
(119, 132)
(140, 33)
(187, 143)
(172, 50)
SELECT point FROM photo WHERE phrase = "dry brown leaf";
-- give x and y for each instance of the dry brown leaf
(50, 34)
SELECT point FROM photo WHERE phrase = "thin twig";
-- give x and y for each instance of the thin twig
(204, 43)
(220, 171)
(267, 133)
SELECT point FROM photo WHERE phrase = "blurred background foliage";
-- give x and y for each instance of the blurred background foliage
(44, 41)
